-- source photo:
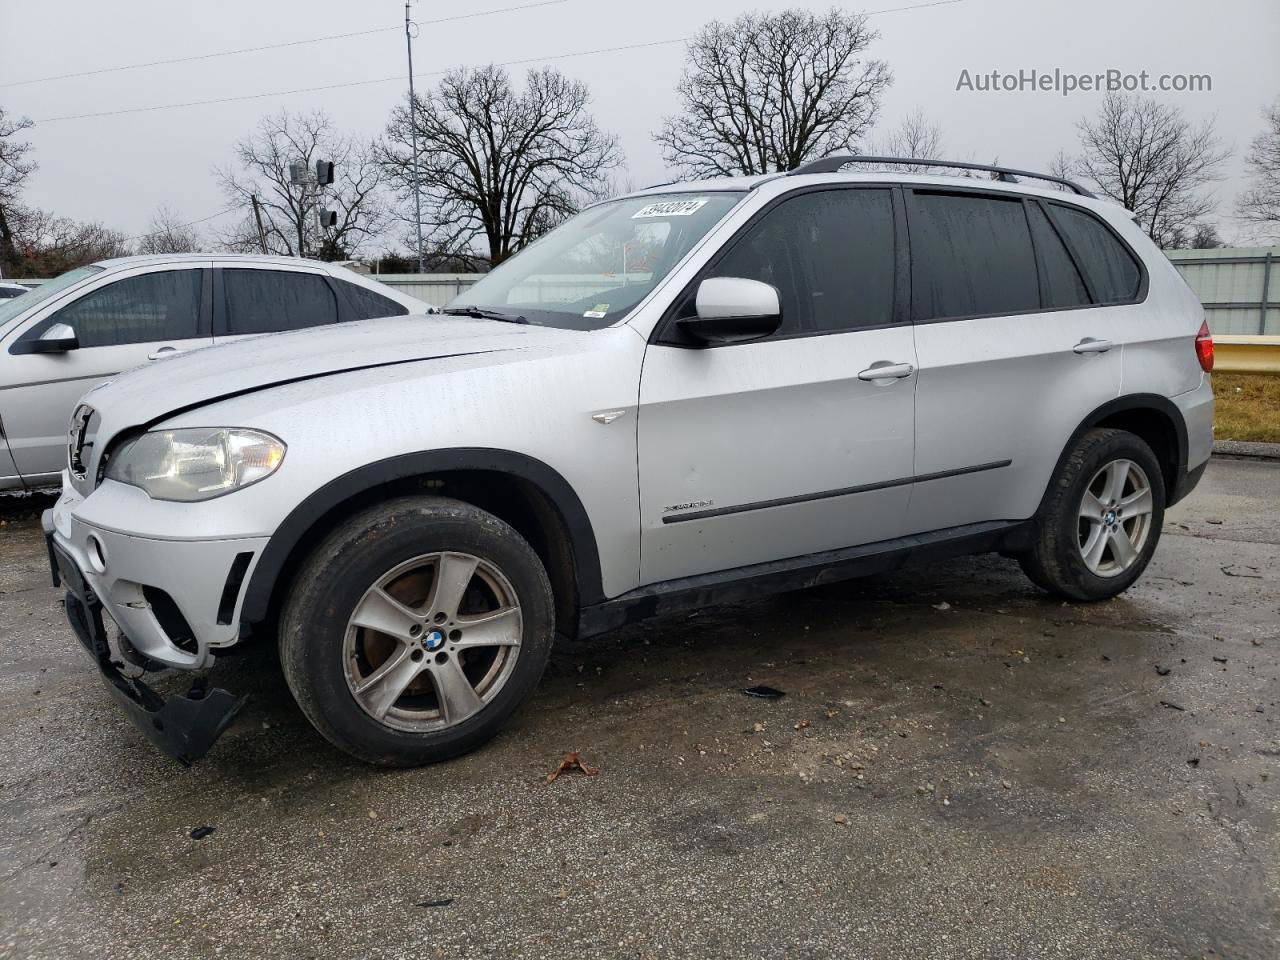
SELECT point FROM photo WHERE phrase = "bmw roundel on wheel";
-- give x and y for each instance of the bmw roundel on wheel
(414, 508)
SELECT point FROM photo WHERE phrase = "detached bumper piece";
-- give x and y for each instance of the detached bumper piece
(182, 727)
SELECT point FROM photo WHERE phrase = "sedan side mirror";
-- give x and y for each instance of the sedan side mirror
(732, 310)
(59, 338)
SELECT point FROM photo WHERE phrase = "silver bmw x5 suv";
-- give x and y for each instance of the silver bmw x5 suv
(695, 393)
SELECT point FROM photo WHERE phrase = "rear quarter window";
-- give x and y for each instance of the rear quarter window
(1113, 274)
(1062, 284)
(364, 303)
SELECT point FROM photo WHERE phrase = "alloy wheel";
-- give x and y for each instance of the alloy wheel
(432, 641)
(1115, 518)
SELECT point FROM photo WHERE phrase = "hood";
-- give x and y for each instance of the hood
(162, 387)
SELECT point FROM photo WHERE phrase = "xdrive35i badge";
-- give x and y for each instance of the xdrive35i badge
(691, 505)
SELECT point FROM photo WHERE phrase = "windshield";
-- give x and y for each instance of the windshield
(11, 308)
(596, 266)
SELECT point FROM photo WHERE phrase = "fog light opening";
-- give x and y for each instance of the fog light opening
(96, 553)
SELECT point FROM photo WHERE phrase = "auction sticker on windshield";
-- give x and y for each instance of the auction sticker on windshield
(670, 208)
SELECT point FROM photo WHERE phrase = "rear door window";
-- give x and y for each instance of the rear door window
(268, 301)
(152, 307)
(1061, 283)
(971, 256)
(1113, 274)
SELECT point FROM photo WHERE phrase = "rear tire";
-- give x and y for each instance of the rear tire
(415, 629)
(1101, 519)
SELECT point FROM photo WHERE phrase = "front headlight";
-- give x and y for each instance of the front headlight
(197, 463)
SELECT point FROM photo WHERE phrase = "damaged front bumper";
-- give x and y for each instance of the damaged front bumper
(183, 727)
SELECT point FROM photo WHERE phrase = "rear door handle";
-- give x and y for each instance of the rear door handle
(1090, 345)
(162, 352)
(885, 370)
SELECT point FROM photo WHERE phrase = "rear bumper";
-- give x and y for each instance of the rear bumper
(1196, 407)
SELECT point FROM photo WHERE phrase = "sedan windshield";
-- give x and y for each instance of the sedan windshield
(11, 308)
(588, 272)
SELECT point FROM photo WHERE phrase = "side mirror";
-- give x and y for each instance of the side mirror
(732, 310)
(59, 338)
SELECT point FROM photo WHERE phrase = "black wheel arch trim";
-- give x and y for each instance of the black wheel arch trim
(280, 548)
(1134, 401)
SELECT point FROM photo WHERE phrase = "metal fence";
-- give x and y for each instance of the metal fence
(436, 289)
(1239, 287)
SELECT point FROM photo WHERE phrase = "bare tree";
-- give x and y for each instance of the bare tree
(168, 233)
(1260, 203)
(15, 167)
(47, 245)
(34, 242)
(1148, 157)
(770, 91)
(498, 166)
(1205, 236)
(289, 210)
(1062, 165)
(915, 136)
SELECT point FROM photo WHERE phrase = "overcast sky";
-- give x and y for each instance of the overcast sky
(118, 169)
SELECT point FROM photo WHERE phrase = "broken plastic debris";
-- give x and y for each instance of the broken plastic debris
(436, 903)
(1231, 571)
(199, 833)
(572, 761)
(768, 693)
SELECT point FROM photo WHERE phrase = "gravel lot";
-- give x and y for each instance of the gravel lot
(960, 767)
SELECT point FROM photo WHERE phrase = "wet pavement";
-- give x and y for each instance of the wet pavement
(960, 767)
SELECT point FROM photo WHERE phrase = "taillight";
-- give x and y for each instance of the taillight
(1204, 347)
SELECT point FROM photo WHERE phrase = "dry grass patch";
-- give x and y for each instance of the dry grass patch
(1246, 407)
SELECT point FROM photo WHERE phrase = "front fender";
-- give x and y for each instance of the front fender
(294, 528)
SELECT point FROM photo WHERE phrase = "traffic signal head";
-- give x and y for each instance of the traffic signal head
(324, 172)
(328, 218)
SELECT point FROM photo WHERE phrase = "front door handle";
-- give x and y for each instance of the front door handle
(886, 370)
(1090, 345)
(162, 352)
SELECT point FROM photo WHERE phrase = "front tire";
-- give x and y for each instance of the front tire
(415, 629)
(1101, 519)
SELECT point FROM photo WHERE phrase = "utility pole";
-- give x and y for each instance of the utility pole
(257, 216)
(413, 135)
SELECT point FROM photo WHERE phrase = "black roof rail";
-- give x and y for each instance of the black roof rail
(1005, 174)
